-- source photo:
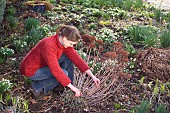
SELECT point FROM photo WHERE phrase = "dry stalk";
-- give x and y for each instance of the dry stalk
(110, 73)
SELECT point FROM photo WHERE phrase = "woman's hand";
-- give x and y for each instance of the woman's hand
(74, 89)
(77, 92)
(96, 80)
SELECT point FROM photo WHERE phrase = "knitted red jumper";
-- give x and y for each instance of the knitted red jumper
(47, 53)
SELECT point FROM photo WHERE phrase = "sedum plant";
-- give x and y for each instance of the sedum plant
(108, 67)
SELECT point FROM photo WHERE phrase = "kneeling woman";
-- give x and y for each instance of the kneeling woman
(50, 62)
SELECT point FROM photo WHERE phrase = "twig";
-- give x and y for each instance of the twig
(45, 103)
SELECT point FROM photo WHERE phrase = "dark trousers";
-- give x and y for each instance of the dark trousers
(43, 80)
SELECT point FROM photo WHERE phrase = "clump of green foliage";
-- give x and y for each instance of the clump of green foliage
(144, 35)
(5, 52)
(5, 85)
(165, 39)
(31, 23)
(13, 22)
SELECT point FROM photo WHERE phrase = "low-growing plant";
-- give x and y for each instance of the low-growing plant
(161, 108)
(20, 44)
(130, 49)
(13, 22)
(151, 40)
(11, 10)
(73, 8)
(137, 33)
(4, 52)
(166, 16)
(158, 14)
(93, 12)
(17, 104)
(138, 4)
(118, 3)
(143, 108)
(98, 13)
(143, 34)
(164, 39)
(5, 85)
(128, 4)
(105, 23)
(46, 30)
(34, 36)
(30, 23)
(92, 26)
(107, 36)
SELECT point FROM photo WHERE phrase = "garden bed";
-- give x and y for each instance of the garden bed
(131, 25)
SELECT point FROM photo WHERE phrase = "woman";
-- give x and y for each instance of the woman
(50, 62)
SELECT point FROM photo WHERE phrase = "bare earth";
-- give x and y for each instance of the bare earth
(164, 5)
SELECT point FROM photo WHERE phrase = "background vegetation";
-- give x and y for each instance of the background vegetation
(139, 26)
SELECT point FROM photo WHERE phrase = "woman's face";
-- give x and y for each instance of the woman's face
(67, 43)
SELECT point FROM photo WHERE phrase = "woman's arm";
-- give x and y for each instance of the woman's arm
(96, 80)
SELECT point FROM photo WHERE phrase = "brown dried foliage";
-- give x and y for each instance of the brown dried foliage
(155, 63)
(110, 73)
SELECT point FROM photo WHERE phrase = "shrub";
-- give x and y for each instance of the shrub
(2, 9)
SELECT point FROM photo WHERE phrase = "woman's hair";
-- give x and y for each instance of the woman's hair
(70, 32)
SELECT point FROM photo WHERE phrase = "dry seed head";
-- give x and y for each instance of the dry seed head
(88, 40)
(117, 44)
(100, 42)
(110, 55)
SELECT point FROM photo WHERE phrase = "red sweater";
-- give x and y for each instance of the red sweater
(47, 53)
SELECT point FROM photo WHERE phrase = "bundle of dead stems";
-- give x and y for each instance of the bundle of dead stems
(111, 71)
(155, 63)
